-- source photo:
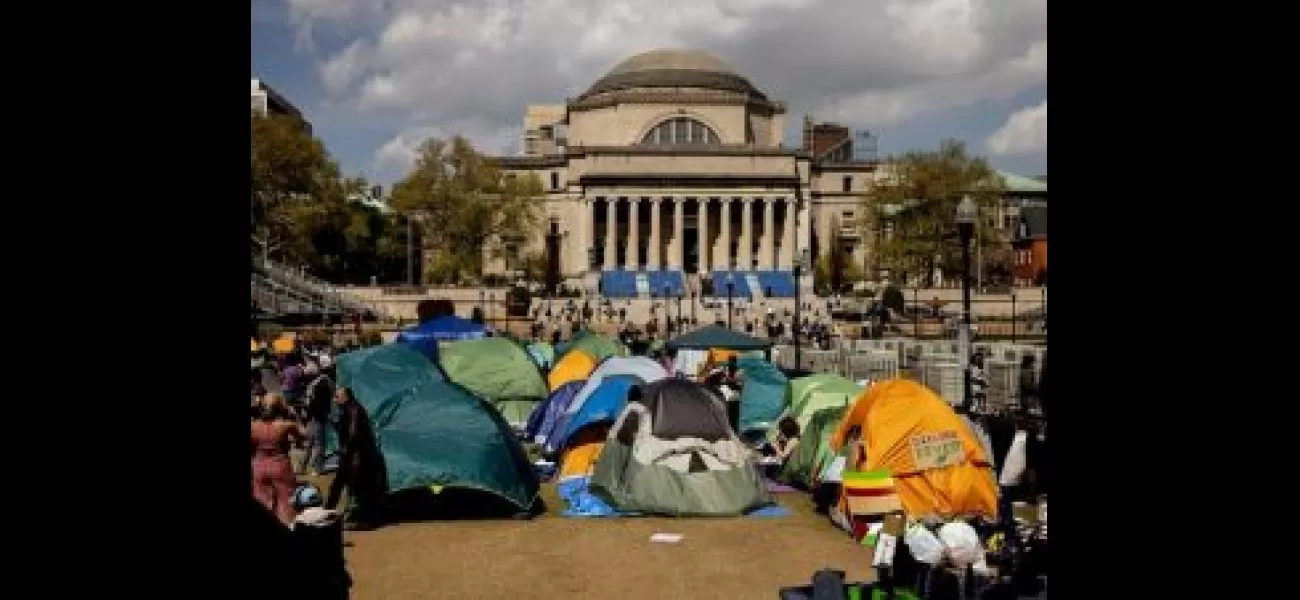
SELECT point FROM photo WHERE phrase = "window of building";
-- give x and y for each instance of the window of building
(681, 131)
(847, 183)
(555, 180)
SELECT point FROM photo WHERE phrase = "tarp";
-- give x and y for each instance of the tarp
(764, 395)
(602, 406)
(814, 446)
(498, 370)
(715, 336)
(543, 354)
(672, 452)
(425, 336)
(598, 346)
(542, 422)
(433, 432)
(574, 365)
(939, 466)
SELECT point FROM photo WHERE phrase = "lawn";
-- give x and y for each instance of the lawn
(557, 557)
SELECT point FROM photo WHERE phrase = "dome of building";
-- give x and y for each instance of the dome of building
(673, 68)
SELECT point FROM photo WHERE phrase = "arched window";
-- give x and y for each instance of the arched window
(681, 131)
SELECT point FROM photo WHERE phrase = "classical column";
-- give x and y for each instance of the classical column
(787, 238)
(675, 261)
(702, 229)
(633, 233)
(611, 213)
(766, 261)
(653, 252)
(745, 253)
(725, 226)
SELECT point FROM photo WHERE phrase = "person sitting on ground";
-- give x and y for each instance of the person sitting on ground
(787, 439)
(273, 433)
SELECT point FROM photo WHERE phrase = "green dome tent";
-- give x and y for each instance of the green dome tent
(432, 432)
(499, 371)
(816, 392)
(814, 446)
(598, 346)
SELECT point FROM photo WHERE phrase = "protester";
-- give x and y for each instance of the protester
(1028, 384)
(361, 468)
(317, 401)
(273, 433)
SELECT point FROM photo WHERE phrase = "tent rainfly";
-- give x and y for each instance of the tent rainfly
(713, 336)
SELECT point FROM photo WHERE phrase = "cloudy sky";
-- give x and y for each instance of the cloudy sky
(378, 76)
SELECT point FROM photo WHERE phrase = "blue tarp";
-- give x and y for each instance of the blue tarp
(541, 424)
(605, 404)
(425, 336)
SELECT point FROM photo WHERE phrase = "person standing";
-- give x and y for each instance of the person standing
(361, 467)
(1028, 385)
(273, 433)
(317, 400)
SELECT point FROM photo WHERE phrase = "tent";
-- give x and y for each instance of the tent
(645, 369)
(602, 406)
(432, 432)
(582, 452)
(574, 365)
(542, 353)
(816, 392)
(764, 396)
(717, 337)
(814, 447)
(549, 410)
(598, 346)
(425, 336)
(672, 452)
(938, 465)
(499, 371)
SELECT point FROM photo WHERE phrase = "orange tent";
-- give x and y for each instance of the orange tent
(716, 357)
(283, 345)
(583, 451)
(575, 365)
(938, 465)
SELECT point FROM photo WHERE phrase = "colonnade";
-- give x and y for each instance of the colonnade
(758, 245)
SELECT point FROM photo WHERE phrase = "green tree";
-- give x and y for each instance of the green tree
(297, 193)
(916, 203)
(466, 207)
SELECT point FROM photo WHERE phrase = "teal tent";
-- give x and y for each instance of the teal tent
(432, 432)
(764, 396)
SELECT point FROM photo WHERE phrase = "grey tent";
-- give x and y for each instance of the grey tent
(673, 452)
(713, 336)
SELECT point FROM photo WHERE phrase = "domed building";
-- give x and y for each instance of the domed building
(670, 171)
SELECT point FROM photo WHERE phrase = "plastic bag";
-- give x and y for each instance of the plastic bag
(962, 543)
(925, 548)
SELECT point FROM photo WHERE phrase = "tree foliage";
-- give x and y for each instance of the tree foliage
(467, 208)
(836, 272)
(302, 209)
(918, 197)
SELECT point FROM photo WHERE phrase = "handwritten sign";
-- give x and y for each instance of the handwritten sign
(936, 450)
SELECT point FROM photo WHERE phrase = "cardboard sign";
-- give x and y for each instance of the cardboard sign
(936, 450)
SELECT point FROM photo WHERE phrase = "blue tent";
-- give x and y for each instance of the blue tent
(542, 422)
(765, 395)
(425, 336)
(605, 404)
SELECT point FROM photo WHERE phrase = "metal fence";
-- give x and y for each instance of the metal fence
(935, 363)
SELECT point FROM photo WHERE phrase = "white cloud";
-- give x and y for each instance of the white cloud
(452, 63)
(1024, 132)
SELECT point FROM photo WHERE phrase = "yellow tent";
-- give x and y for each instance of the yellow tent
(582, 452)
(716, 357)
(575, 365)
(938, 465)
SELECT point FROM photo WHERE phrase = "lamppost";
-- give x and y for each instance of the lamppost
(966, 215)
(730, 287)
(798, 319)
(1013, 316)
(679, 310)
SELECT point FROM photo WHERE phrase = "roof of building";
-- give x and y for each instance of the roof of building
(673, 68)
(1021, 184)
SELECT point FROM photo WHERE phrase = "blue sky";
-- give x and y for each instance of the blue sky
(377, 77)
